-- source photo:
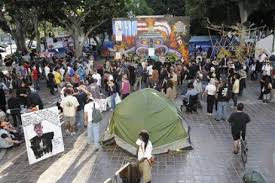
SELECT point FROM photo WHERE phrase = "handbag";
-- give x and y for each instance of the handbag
(117, 99)
(97, 116)
(152, 161)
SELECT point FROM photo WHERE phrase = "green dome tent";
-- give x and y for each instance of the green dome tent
(150, 110)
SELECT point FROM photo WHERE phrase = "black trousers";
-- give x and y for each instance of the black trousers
(210, 103)
(16, 119)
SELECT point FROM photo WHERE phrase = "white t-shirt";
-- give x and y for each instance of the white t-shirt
(150, 70)
(88, 108)
(110, 77)
(98, 78)
(47, 71)
(144, 153)
(267, 68)
(263, 57)
(210, 89)
(69, 105)
(62, 72)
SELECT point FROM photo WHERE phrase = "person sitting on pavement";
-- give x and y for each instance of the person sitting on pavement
(7, 140)
(4, 124)
(238, 121)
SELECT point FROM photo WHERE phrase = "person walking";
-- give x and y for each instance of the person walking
(112, 92)
(14, 107)
(69, 105)
(235, 89)
(169, 90)
(210, 91)
(198, 87)
(81, 97)
(35, 78)
(267, 87)
(125, 87)
(138, 72)
(93, 128)
(51, 82)
(222, 99)
(238, 121)
(144, 152)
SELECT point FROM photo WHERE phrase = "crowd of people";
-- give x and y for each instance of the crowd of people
(82, 83)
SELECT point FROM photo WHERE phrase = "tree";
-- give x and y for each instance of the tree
(81, 17)
(224, 11)
(138, 7)
(21, 19)
(164, 7)
(15, 20)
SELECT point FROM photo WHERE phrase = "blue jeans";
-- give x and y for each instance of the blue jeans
(79, 118)
(113, 101)
(222, 110)
(93, 130)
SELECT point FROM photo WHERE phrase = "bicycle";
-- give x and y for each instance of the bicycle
(244, 150)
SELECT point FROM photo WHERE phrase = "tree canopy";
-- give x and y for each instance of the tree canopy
(88, 18)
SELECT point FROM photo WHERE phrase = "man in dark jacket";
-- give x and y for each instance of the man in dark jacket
(14, 107)
(81, 98)
(2, 99)
(33, 99)
(41, 143)
(222, 100)
(238, 121)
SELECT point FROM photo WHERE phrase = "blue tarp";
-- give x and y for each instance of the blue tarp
(203, 42)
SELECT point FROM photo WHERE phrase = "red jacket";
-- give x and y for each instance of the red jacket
(35, 74)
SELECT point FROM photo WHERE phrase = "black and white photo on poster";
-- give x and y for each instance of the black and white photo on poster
(43, 135)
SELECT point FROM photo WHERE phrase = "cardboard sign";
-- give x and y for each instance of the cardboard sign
(43, 135)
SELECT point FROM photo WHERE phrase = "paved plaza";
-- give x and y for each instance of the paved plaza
(211, 159)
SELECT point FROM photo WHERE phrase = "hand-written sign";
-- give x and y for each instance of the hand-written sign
(51, 115)
(43, 135)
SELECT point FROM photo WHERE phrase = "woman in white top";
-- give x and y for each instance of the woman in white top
(144, 156)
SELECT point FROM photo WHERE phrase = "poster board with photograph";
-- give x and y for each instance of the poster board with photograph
(43, 135)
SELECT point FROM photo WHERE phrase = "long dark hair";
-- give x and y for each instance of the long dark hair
(145, 137)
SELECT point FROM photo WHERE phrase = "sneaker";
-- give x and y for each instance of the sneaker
(217, 119)
(73, 133)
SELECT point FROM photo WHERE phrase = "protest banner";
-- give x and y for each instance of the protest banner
(43, 135)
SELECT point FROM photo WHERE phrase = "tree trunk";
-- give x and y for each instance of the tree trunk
(19, 37)
(77, 35)
(243, 15)
(37, 33)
